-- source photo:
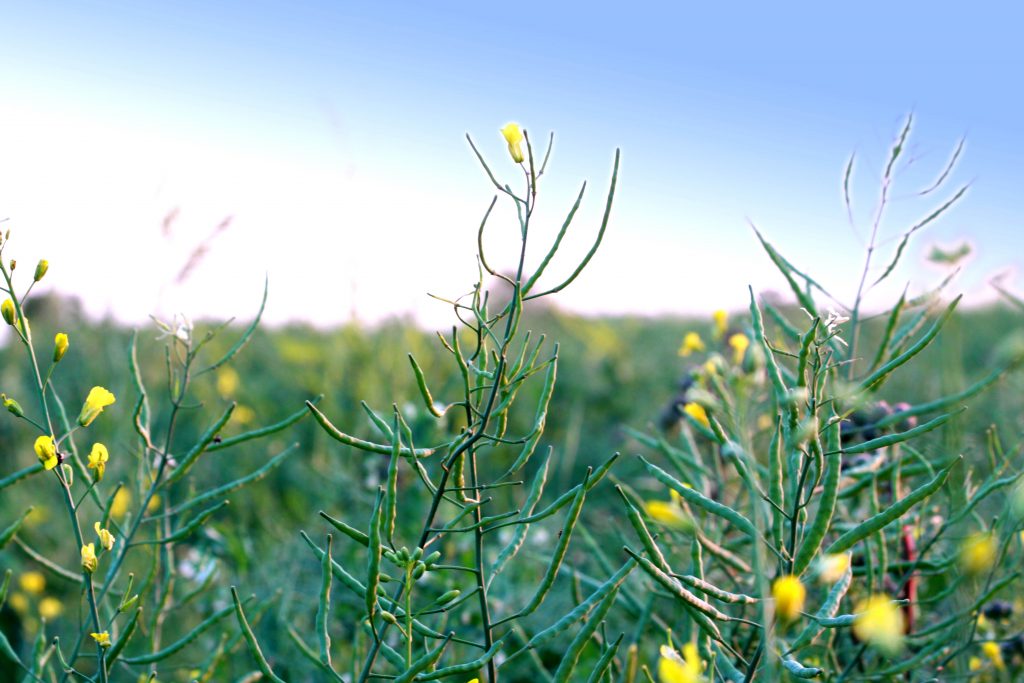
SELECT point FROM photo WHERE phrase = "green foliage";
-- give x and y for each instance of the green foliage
(458, 508)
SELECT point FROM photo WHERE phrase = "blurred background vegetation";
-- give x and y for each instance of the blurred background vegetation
(614, 373)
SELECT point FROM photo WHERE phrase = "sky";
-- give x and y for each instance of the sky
(322, 145)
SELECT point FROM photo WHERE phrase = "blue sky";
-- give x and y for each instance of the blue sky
(332, 133)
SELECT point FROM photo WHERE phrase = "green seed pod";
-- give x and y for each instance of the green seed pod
(69, 474)
(388, 617)
(448, 597)
(432, 558)
(12, 406)
(41, 269)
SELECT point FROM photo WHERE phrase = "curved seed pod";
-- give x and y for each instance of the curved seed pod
(605, 660)
(237, 483)
(187, 530)
(250, 638)
(798, 670)
(541, 419)
(189, 459)
(20, 474)
(645, 536)
(557, 555)
(814, 536)
(828, 609)
(700, 608)
(244, 339)
(581, 610)
(701, 501)
(353, 533)
(314, 658)
(4, 586)
(391, 492)
(890, 439)
(727, 669)
(563, 499)
(373, 557)
(184, 640)
(7, 534)
(263, 431)
(572, 654)
(382, 449)
(126, 634)
(421, 383)
(465, 667)
(519, 535)
(715, 591)
(426, 660)
(323, 609)
(873, 381)
(891, 513)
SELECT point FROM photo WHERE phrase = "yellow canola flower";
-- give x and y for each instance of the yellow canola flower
(106, 538)
(7, 309)
(721, 319)
(697, 412)
(789, 595)
(832, 567)
(119, 506)
(991, 650)
(98, 399)
(691, 343)
(50, 608)
(102, 638)
(880, 623)
(18, 602)
(154, 504)
(89, 557)
(514, 137)
(739, 344)
(669, 513)
(98, 457)
(60, 346)
(33, 583)
(675, 669)
(46, 450)
(978, 553)
(227, 381)
(974, 663)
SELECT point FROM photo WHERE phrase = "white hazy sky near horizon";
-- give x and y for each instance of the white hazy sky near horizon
(331, 134)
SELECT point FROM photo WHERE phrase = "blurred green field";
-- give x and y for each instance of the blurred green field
(614, 373)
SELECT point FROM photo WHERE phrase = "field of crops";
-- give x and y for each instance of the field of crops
(803, 489)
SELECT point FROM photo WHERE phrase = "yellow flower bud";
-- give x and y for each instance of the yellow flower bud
(60, 346)
(12, 406)
(691, 342)
(789, 596)
(7, 309)
(46, 450)
(978, 553)
(41, 269)
(880, 623)
(89, 557)
(721, 319)
(514, 137)
(50, 608)
(697, 412)
(98, 399)
(675, 669)
(98, 457)
(102, 638)
(106, 538)
(739, 344)
(995, 655)
(32, 582)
